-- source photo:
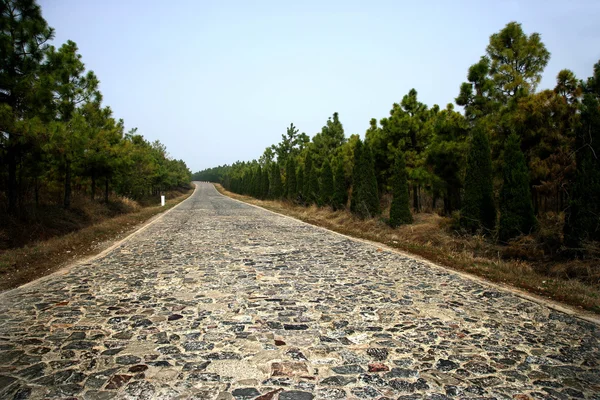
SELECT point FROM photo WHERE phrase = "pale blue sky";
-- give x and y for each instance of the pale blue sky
(218, 81)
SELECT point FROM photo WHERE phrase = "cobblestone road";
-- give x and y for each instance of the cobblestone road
(220, 300)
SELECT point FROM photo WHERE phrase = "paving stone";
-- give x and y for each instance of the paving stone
(295, 395)
(245, 393)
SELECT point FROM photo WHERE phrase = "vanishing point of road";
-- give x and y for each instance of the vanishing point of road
(222, 300)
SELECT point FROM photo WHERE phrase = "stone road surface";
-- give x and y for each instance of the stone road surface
(221, 300)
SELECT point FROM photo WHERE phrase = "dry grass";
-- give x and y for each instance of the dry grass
(429, 237)
(24, 264)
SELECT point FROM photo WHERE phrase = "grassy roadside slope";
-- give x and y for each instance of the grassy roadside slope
(25, 264)
(428, 238)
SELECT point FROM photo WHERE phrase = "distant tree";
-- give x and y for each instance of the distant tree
(356, 176)
(300, 184)
(370, 190)
(340, 192)
(264, 190)
(516, 209)
(290, 179)
(307, 188)
(327, 185)
(291, 144)
(400, 209)
(258, 184)
(478, 209)
(275, 188)
(313, 185)
(329, 140)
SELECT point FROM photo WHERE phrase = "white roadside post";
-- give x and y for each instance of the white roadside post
(162, 200)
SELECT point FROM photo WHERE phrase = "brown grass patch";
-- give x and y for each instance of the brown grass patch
(34, 260)
(430, 238)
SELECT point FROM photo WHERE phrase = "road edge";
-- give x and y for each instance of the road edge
(551, 304)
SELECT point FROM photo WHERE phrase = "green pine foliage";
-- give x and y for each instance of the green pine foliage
(307, 189)
(516, 208)
(356, 176)
(400, 208)
(300, 184)
(365, 195)
(275, 187)
(290, 181)
(313, 186)
(264, 191)
(257, 182)
(478, 212)
(327, 185)
(340, 191)
(370, 190)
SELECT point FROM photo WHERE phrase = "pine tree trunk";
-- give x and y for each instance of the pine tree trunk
(67, 201)
(106, 190)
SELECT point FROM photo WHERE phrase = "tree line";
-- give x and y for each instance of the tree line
(56, 137)
(512, 159)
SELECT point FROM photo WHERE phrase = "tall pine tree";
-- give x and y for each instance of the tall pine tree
(307, 192)
(290, 179)
(478, 209)
(326, 183)
(400, 209)
(264, 190)
(356, 176)
(516, 208)
(340, 191)
(300, 184)
(365, 195)
(275, 187)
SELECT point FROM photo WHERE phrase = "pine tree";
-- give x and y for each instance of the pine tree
(326, 183)
(478, 209)
(257, 182)
(275, 188)
(400, 209)
(290, 179)
(313, 186)
(516, 208)
(365, 195)
(582, 219)
(356, 175)
(300, 184)
(307, 187)
(340, 192)
(264, 192)
(370, 189)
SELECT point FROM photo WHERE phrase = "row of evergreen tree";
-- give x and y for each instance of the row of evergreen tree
(55, 135)
(511, 159)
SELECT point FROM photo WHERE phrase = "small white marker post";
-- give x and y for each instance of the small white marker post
(162, 200)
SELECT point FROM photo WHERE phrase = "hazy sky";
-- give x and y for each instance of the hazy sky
(218, 81)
